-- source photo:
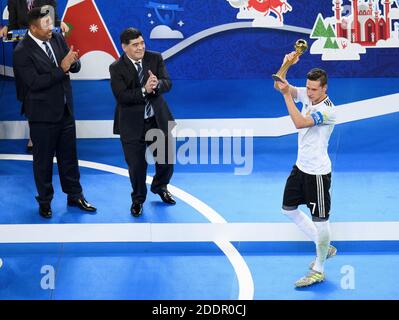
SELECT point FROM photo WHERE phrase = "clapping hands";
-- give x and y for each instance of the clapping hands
(69, 59)
(152, 82)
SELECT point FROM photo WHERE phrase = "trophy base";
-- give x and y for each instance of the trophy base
(277, 78)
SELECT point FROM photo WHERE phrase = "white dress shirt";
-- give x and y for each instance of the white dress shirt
(41, 45)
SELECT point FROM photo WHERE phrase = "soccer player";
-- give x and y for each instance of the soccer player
(310, 179)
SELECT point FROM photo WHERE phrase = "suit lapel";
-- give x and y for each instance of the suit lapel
(56, 50)
(146, 67)
(131, 68)
(38, 52)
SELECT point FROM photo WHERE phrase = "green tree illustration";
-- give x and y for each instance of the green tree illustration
(331, 44)
(319, 29)
(330, 32)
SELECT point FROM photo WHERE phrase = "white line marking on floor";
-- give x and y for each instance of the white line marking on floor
(143, 232)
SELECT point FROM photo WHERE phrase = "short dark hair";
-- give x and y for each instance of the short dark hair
(130, 34)
(317, 74)
(36, 14)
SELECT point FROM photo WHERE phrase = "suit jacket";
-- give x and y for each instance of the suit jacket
(126, 86)
(42, 87)
(18, 13)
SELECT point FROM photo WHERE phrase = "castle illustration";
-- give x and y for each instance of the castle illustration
(367, 24)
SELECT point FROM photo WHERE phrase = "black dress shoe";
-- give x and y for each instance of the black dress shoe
(136, 209)
(82, 204)
(166, 197)
(45, 210)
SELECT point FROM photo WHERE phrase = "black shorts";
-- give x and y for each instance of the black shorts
(309, 189)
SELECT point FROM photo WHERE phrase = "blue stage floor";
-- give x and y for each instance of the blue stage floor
(192, 271)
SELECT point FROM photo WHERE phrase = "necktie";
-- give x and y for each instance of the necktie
(148, 108)
(49, 53)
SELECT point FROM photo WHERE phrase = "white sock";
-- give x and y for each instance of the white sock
(322, 245)
(303, 222)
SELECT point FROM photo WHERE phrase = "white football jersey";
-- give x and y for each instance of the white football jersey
(313, 142)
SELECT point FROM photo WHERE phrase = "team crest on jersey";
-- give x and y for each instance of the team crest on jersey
(264, 13)
(354, 27)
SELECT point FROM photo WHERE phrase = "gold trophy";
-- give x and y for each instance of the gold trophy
(300, 47)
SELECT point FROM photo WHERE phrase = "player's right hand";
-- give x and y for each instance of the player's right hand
(291, 58)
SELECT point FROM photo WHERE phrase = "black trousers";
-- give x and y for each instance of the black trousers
(57, 139)
(135, 152)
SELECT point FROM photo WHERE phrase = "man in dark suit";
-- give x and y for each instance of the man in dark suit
(42, 62)
(138, 80)
(18, 19)
(18, 14)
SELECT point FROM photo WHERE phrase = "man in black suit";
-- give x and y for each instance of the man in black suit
(18, 19)
(138, 80)
(42, 62)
